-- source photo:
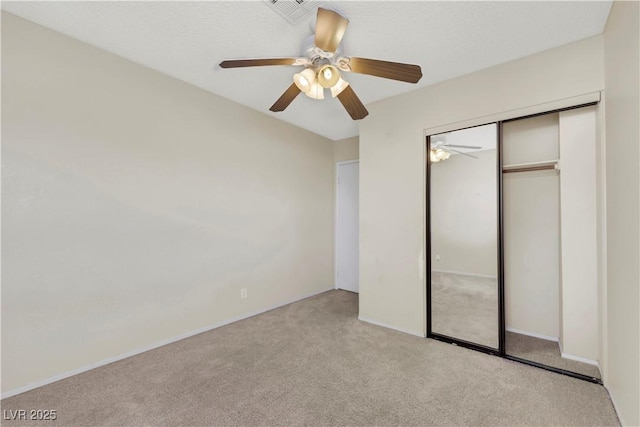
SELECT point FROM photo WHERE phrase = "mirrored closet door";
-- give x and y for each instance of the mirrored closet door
(462, 235)
(512, 240)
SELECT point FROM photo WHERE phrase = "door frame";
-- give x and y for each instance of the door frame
(335, 216)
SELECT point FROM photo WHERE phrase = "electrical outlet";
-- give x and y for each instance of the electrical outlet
(243, 293)
(437, 257)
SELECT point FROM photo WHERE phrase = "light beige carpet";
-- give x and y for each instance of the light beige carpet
(314, 363)
(545, 352)
(465, 307)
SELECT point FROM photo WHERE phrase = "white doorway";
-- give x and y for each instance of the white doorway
(347, 226)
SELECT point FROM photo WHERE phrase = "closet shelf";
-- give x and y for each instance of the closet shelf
(532, 166)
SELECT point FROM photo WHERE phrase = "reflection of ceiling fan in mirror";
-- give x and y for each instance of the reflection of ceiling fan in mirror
(441, 150)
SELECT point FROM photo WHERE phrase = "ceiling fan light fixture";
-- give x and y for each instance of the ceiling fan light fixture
(433, 157)
(316, 91)
(305, 80)
(438, 154)
(441, 154)
(337, 88)
(328, 75)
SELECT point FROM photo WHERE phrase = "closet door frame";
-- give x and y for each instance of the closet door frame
(501, 350)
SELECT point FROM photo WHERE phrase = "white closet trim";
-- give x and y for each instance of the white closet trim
(518, 112)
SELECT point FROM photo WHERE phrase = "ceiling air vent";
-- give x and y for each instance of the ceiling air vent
(293, 10)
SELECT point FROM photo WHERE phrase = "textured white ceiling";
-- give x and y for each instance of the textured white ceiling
(187, 40)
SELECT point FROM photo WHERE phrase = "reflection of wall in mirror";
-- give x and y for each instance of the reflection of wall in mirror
(464, 214)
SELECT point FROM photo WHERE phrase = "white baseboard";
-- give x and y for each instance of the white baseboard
(109, 360)
(580, 359)
(385, 325)
(532, 334)
(464, 274)
(615, 406)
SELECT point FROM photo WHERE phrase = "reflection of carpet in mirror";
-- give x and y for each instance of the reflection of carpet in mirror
(465, 307)
(545, 352)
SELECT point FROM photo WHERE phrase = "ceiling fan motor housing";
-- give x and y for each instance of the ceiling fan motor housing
(314, 53)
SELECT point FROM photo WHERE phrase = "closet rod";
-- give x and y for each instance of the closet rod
(529, 168)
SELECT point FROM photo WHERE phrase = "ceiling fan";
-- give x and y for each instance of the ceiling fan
(323, 62)
(441, 150)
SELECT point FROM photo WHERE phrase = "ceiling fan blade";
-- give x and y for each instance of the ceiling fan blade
(287, 98)
(330, 27)
(389, 70)
(471, 147)
(352, 104)
(236, 63)
(464, 154)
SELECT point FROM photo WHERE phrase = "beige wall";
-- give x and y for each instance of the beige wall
(346, 149)
(578, 218)
(392, 165)
(622, 151)
(532, 228)
(136, 207)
